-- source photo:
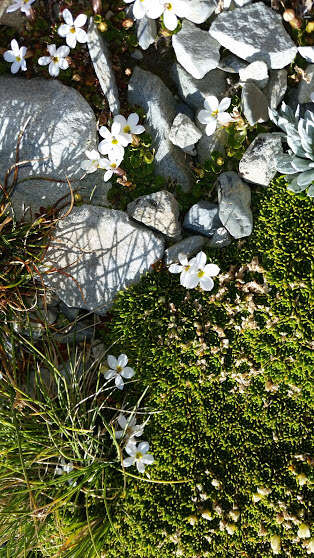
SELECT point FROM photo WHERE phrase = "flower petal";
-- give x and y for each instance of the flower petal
(15, 67)
(121, 121)
(44, 60)
(148, 459)
(64, 30)
(138, 130)
(127, 372)
(63, 64)
(122, 421)
(211, 127)
(67, 16)
(9, 56)
(170, 20)
(115, 128)
(200, 260)
(15, 46)
(224, 118)
(81, 35)
(138, 10)
(105, 132)
(119, 382)
(80, 20)
(133, 119)
(204, 116)
(122, 360)
(211, 270)
(128, 461)
(143, 447)
(130, 448)
(108, 175)
(206, 283)
(71, 40)
(54, 69)
(154, 9)
(140, 466)
(189, 280)
(211, 103)
(110, 374)
(23, 51)
(175, 268)
(224, 104)
(112, 362)
(52, 50)
(63, 51)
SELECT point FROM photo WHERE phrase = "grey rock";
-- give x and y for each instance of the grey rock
(258, 164)
(207, 144)
(146, 29)
(197, 11)
(276, 88)
(159, 211)
(184, 133)
(255, 32)
(195, 50)
(188, 246)
(202, 218)
(231, 64)
(103, 253)
(304, 107)
(150, 93)
(4, 6)
(78, 333)
(137, 54)
(194, 91)
(61, 127)
(100, 58)
(306, 87)
(14, 19)
(256, 72)
(69, 312)
(254, 104)
(220, 239)
(307, 52)
(234, 199)
(182, 108)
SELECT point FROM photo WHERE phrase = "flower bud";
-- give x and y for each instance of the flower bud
(310, 27)
(296, 23)
(288, 15)
(220, 161)
(77, 197)
(148, 157)
(127, 23)
(103, 26)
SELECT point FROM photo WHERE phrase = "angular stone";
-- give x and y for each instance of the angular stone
(102, 252)
(258, 164)
(202, 218)
(231, 64)
(146, 32)
(194, 91)
(150, 93)
(254, 104)
(197, 11)
(306, 87)
(234, 199)
(184, 133)
(207, 144)
(276, 88)
(255, 32)
(13, 19)
(220, 239)
(196, 51)
(100, 58)
(159, 211)
(307, 52)
(61, 128)
(188, 246)
(256, 72)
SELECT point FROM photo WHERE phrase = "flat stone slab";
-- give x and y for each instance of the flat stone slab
(184, 133)
(202, 218)
(276, 88)
(150, 93)
(234, 199)
(146, 30)
(258, 164)
(256, 72)
(61, 127)
(195, 50)
(101, 252)
(194, 91)
(159, 211)
(254, 104)
(255, 32)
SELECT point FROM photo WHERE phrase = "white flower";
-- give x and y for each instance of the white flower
(129, 428)
(23, 5)
(57, 59)
(138, 456)
(150, 8)
(119, 369)
(275, 544)
(171, 10)
(129, 126)
(202, 273)
(111, 166)
(93, 162)
(214, 113)
(230, 528)
(304, 531)
(65, 468)
(114, 142)
(16, 57)
(184, 269)
(71, 30)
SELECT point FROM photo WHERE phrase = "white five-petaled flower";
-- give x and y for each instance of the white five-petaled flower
(16, 57)
(214, 113)
(150, 8)
(138, 456)
(72, 29)
(23, 5)
(118, 370)
(129, 126)
(129, 428)
(111, 165)
(184, 268)
(202, 273)
(93, 162)
(114, 141)
(171, 9)
(57, 59)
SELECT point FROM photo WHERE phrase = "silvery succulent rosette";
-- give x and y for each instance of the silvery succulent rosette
(298, 163)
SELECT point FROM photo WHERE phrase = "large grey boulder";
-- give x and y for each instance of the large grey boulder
(202, 218)
(184, 133)
(101, 252)
(276, 88)
(234, 199)
(195, 50)
(100, 58)
(159, 211)
(188, 246)
(306, 87)
(255, 32)
(61, 127)
(254, 104)
(150, 93)
(146, 30)
(194, 91)
(258, 164)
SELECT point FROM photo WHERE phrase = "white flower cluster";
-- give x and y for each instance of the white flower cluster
(156, 8)
(195, 272)
(113, 144)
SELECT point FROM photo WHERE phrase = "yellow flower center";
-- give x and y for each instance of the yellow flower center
(113, 165)
(55, 59)
(126, 129)
(119, 369)
(187, 267)
(169, 6)
(18, 58)
(215, 112)
(72, 30)
(201, 273)
(138, 455)
(114, 141)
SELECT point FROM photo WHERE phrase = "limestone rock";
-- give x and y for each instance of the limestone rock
(276, 88)
(202, 218)
(307, 52)
(100, 58)
(13, 19)
(258, 164)
(256, 72)
(159, 211)
(255, 32)
(196, 51)
(103, 252)
(150, 93)
(188, 246)
(184, 133)
(254, 104)
(207, 144)
(194, 91)
(234, 199)
(197, 11)
(62, 126)
(306, 87)
(146, 29)
(220, 238)
(231, 64)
